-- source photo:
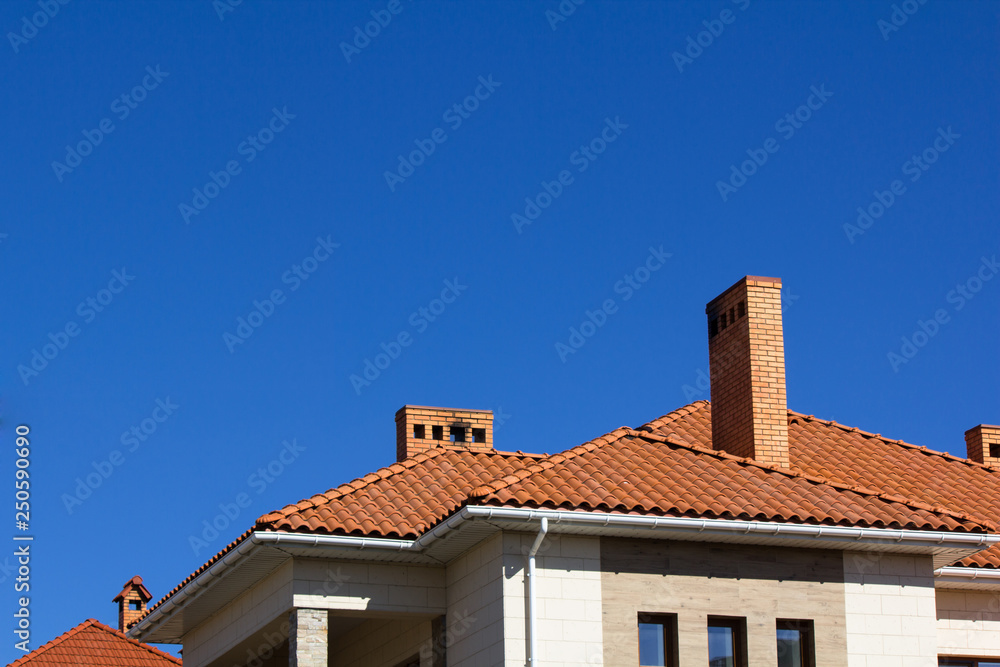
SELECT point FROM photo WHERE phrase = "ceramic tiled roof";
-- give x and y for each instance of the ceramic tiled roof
(643, 473)
(93, 644)
(859, 458)
(839, 476)
(402, 500)
(623, 471)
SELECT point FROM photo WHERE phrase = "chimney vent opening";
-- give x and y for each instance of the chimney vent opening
(420, 428)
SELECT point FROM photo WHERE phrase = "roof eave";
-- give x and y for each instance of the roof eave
(432, 548)
(968, 578)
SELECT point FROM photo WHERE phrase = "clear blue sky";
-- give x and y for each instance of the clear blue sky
(308, 133)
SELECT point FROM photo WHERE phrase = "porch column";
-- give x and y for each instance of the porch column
(308, 632)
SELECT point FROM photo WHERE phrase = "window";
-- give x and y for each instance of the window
(727, 644)
(969, 662)
(458, 434)
(419, 431)
(135, 605)
(437, 432)
(796, 646)
(658, 640)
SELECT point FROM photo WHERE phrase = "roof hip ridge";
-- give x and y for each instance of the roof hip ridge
(676, 414)
(891, 441)
(352, 486)
(816, 479)
(548, 462)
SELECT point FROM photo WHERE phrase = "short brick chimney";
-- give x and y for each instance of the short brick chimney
(983, 444)
(746, 354)
(419, 428)
(132, 603)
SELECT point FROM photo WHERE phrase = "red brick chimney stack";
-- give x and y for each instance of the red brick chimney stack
(132, 603)
(419, 428)
(983, 443)
(746, 353)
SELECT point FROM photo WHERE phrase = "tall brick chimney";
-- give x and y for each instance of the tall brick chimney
(983, 444)
(746, 354)
(132, 603)
(419, 427)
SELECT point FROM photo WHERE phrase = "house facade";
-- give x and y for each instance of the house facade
(732, 533)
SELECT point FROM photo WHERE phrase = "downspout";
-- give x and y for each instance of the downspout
(532, 620)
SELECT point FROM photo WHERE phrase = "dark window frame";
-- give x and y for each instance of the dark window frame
(738, 624)
(807, 637)
(962, 661)
(669, 624)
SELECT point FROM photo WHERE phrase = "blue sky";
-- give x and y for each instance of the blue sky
(173, 167)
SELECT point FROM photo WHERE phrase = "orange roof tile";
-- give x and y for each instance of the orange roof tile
(93, 644)
(859, 458)
(402, 500)
(637, 472)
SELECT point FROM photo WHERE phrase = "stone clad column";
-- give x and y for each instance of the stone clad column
(308, 637)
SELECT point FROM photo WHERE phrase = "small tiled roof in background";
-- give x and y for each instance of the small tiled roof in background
(93, 644)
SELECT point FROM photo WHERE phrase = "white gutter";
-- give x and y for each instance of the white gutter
(532, 614)
(969, 574)
(684, 526)
(662, 526)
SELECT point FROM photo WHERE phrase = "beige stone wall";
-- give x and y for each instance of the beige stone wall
(695, 581)
(568, 592)
(891, 618)
(968, 623)
(474, 623)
